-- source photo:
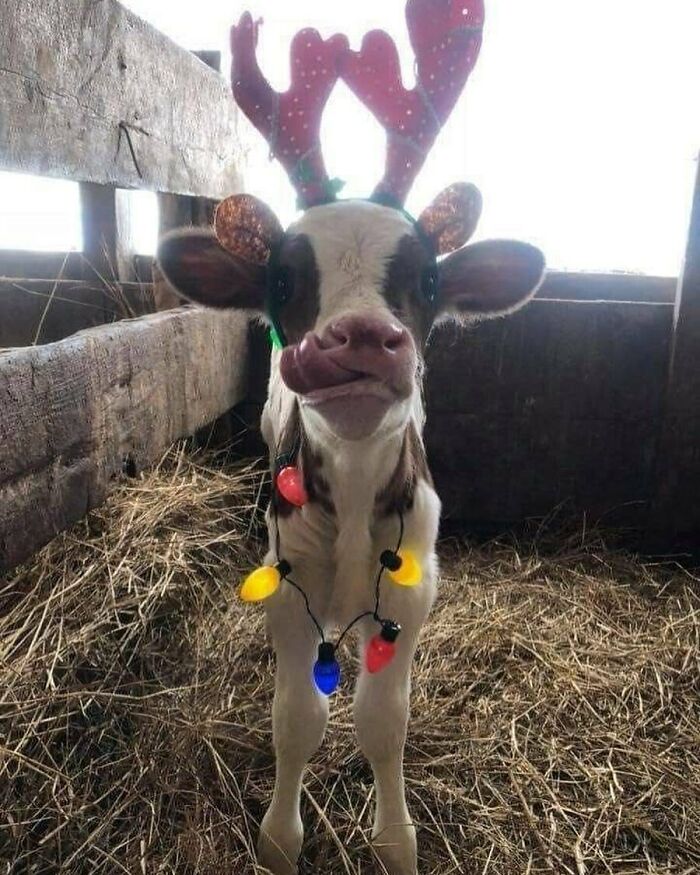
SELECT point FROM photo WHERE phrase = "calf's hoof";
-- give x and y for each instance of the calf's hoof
(396, 848)
(279, 847)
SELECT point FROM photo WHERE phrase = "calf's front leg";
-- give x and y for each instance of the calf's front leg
(299, 717)
(381, 709)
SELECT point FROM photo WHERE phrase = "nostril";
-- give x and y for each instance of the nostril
(339, 335)
(393, 343)
(394, 338)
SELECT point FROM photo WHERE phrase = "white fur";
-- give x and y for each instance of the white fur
(335, 559)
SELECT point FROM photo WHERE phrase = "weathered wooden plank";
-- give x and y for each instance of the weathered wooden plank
(580, 286)
(44, 311)
(89, 91)
(560, 403)
(74, 413)
(677, 507)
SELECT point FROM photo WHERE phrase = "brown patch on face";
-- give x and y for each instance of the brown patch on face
(317, 487)
(300, 281)
(399, 493)
(295, 444)
(403, 288)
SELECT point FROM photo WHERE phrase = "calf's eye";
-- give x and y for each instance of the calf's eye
(283, 285)
(429, 284)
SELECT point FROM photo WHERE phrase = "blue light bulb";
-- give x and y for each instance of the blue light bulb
(326, 669)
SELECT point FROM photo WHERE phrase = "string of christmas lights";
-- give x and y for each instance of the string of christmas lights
(401, 565)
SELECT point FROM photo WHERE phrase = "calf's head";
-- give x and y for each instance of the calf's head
(353, 288)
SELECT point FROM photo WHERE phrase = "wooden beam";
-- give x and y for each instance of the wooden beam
(89, 91)
(677, 507)
(587, 286)
(559, 404)
(75, 414)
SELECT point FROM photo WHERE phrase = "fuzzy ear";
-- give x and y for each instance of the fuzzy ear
(452, 217)
(199, 268)
(489, 278)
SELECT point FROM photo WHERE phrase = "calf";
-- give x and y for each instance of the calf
(352, 290)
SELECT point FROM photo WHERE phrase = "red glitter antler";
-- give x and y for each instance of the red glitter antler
(446, 38)
(291, 121)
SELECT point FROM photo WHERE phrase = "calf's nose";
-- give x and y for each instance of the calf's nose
(356, 332)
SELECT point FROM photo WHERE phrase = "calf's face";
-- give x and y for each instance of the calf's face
(356, 291)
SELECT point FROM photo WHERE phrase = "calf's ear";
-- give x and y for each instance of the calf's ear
(198, 267)
(490, 278)
(225, 266)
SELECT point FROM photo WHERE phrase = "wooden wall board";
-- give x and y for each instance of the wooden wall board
(592, 286)
(560, 402)
(90, 92)
(677, 508)
(73, 413)
(45, 311)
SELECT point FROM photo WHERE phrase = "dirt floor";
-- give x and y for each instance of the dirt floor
(556, 704)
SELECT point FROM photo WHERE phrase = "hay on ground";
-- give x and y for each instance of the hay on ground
(556, 704)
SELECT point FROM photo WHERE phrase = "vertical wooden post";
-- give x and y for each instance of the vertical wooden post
(106, 232)
(676, 512)
(182, 211)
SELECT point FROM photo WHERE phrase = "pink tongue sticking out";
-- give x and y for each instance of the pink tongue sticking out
(307, 367)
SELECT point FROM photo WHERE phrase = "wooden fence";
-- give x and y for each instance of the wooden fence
(587, 398)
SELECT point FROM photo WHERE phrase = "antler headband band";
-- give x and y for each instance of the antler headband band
(446, 38)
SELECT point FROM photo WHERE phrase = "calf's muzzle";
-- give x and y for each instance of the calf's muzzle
(365, 349)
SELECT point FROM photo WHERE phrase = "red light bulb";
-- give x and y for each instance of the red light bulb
(382, 648)
(290, 485)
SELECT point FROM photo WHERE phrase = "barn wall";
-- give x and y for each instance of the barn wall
(560, 403)
(36, 311)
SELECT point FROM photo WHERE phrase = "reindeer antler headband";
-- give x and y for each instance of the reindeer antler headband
(446, 38)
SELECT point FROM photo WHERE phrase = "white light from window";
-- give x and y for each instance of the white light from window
(39, 213)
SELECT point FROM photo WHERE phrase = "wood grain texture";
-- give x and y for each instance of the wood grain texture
(677, 509)
(580, 286)
(559, 403)
(83, 83)
(74, 413)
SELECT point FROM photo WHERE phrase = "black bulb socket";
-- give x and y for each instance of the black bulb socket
(390, 560)
(284, 568)
(326, 652)
(390, 631)
(283, 461)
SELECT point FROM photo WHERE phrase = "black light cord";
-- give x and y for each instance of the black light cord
(377, 586)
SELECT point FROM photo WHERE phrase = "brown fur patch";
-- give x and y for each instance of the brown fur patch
(317, 486)
(298, 315)
(403, 288)
(399, 493)
(294, 442)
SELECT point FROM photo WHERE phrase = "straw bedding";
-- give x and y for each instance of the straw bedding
(556, 708)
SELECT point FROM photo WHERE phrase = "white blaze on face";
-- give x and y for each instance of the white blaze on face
(353, 242)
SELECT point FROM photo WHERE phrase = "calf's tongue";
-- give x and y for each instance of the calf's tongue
(307, 366)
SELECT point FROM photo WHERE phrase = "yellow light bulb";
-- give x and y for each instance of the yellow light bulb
(409, 572)
(261, 584)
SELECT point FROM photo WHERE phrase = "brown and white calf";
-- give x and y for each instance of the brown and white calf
(356, 288)
(350, 379)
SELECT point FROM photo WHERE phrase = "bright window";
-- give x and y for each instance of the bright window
(38, 213)
(578, 124)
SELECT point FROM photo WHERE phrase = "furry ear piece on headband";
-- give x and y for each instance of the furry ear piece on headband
(452, 217)
(226, 266)
(247, 228)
